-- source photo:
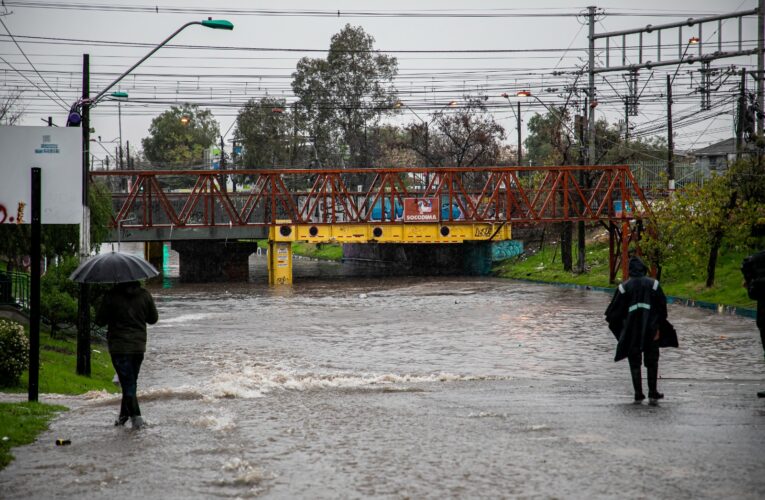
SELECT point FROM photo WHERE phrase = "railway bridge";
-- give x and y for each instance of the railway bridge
(214, 226)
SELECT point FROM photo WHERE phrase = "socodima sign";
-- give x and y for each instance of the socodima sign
(58, 152)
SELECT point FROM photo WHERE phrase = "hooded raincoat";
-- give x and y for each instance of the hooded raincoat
(637, 311)
(126, 309)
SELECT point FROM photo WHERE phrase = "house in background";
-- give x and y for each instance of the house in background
(718, 156)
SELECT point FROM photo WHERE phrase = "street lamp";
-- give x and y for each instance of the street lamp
(119, 97)
(79, 115)
(527, 94)
(518, 123)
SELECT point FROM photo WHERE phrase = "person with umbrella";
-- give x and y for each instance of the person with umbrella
(126, 310)
(637, 316)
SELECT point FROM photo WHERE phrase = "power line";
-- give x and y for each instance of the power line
(414, 13)
(30, 62)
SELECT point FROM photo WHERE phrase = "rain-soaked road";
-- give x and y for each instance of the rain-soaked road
(410, 388)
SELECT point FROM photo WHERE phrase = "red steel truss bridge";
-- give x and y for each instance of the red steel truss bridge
(359, 205)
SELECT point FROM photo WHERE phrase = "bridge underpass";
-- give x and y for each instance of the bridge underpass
(214, 229)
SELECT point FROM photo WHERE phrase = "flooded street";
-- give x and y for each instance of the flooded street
(409, 388)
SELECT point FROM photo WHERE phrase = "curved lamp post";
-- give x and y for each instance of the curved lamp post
(119, 97)
(79, 115)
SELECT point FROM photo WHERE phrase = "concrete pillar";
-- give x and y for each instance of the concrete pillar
(153, 252)
(205, 261)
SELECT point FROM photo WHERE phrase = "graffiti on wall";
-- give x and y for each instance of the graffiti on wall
(7, 216)
(501, 250)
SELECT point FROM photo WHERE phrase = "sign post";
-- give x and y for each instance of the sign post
(34, 289)
(28, 153)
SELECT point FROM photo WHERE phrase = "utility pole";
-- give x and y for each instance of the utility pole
(222, 166)
(580, 229)
(293, 151)
(741, 114)
(591, 86)
(670, 141)
(760, 65)
(626, 120)
(119, 121)
(83, 304)
(520, 149)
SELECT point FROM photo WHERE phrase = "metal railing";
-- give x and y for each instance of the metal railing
(14, 289)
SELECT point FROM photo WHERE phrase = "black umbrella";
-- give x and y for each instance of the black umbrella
(113, 267)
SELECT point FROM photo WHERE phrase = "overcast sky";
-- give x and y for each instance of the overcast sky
(223, 78)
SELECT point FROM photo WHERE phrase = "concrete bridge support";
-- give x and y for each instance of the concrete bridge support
(210, 261)
(470, 258)
(153, 252)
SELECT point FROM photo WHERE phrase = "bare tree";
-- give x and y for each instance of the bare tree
(11, 107)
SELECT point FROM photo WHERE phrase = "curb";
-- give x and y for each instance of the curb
(683, 301)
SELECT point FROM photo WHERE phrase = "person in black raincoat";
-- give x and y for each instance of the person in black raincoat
(637, 316)
(753, 269)
(126, 310)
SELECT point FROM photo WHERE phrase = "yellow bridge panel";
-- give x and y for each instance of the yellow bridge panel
(391, 233)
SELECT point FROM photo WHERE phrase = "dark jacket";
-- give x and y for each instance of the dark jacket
(637, 311)
(126, 309)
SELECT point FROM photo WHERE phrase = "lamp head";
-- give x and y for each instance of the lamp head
(523, 93)
(119, 95)
(452, 104)
(218, 24)
(693, 40)
(74, 119)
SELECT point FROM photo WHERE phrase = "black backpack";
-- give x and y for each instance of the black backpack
(753, 269)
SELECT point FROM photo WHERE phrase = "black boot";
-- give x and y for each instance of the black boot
(653, 374)
(637, 383)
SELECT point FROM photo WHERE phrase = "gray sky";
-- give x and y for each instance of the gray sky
(54, 39)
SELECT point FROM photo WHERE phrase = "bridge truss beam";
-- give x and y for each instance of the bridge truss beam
(324, 201)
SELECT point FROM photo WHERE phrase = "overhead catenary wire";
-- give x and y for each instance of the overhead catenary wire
(29, 61)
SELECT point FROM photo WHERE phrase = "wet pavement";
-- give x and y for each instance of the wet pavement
(410, 388)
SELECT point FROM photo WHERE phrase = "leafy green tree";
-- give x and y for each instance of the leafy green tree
(698, 221)
(550, 139)
(342, 96)
(265, 129)
(59, 240)
(179, 136)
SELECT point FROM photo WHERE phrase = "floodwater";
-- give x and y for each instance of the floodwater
(409, 388)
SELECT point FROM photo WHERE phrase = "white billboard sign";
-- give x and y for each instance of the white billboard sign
(58, 152)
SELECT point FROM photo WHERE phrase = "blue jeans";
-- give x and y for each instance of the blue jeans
(127, 367)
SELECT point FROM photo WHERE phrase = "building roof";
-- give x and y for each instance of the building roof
(722, 148)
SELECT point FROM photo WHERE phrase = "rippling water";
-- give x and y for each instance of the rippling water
(439, 387)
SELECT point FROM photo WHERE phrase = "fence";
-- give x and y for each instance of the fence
(14, 289)
(651, 176)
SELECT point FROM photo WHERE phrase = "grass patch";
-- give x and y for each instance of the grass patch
(58, 365)
(679, 279)
(21, 423)
(322, 251)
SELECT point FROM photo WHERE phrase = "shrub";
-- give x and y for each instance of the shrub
(14, 353)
